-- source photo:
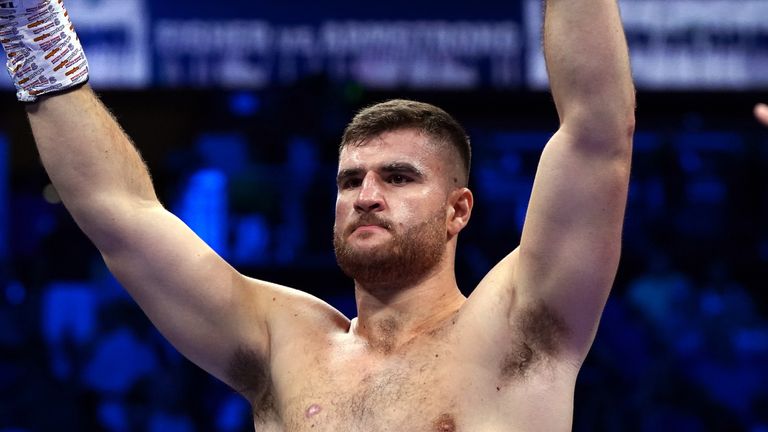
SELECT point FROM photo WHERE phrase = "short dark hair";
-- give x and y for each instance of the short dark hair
(404, 114)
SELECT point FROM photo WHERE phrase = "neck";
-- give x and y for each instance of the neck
(390, 316)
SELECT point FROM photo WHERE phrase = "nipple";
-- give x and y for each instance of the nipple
(313, 410)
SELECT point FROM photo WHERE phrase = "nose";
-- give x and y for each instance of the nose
(370, 198)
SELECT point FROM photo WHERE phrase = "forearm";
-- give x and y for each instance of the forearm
(93, 165)
(588, 65)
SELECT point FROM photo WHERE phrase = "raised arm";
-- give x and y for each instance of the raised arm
(571, 240)
(196, 300)
(201, 304)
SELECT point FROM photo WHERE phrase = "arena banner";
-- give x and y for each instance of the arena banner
(682, 44)
(675, 44)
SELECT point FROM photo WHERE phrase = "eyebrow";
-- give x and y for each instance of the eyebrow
(402, 168)
(390, 168)
(348, 173)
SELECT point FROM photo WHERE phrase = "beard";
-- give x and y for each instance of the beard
(405, 259)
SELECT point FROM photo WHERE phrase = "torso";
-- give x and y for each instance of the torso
(457, 377)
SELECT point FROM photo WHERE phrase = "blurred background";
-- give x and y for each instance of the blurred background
(238, 108)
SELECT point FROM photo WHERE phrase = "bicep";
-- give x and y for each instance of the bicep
(571, 240)
(202, 305)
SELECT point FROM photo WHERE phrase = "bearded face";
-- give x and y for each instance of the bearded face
(392, 209)
(404, 257)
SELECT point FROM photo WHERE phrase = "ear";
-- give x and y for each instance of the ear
(460, 203)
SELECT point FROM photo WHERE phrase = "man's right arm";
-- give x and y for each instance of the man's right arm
(203, 306)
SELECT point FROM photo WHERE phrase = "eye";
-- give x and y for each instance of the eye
(350, 183)
(398, 179)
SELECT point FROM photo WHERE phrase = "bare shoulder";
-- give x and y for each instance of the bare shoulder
(292, 317)
(296, 309)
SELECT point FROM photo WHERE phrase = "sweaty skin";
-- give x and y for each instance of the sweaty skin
(419, 356)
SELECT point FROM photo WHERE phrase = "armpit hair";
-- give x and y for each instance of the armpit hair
(539, 335)
(249, 372)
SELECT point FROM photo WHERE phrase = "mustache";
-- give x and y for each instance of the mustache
(369, 219)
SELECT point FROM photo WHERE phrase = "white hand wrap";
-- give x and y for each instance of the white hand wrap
(44, 53)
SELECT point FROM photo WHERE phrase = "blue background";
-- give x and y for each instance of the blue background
(683, 343)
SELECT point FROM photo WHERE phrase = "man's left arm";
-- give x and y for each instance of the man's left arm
(571, 240)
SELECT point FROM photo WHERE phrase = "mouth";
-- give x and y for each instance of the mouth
(369, 226)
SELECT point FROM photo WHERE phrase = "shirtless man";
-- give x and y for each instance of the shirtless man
(419, 356)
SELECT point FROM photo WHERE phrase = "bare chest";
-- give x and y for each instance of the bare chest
(416, 391)
(447, 381)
